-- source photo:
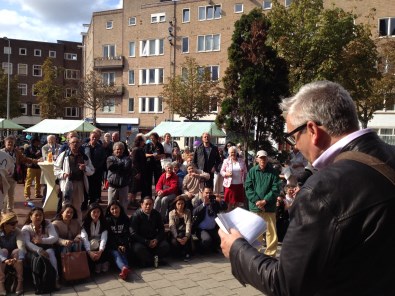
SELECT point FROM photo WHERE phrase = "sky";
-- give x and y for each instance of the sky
(49, 20)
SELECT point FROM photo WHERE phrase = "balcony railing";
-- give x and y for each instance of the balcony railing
(115, 62)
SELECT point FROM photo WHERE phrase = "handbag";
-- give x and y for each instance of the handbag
(75, 266)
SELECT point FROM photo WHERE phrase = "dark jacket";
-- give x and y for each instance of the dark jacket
(207, 162)
(33, 152)
(119, 171)
(199, 212)
(97, 155)
(118, 232)
(341, 234)
(146, 228)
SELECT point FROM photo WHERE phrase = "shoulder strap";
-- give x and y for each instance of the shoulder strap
(371, 161)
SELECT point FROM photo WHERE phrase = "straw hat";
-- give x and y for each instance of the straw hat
(8, 218)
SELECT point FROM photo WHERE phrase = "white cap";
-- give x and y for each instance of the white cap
(261, 153)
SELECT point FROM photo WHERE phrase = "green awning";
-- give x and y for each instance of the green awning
(187, 129)
(8, 124)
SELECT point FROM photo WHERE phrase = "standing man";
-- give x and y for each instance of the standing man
(97, 155)
(342, 221)
(33, 169)
(116, 138)
(207, 159)
(262, 187)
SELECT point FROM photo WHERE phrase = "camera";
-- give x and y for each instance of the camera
(212, 198)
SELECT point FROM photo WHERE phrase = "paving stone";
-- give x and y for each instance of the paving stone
(68, 292)
(209, 283)
(232, 283)
(150, 277)
(210, 270)
(185, 283)
(196, 291)
(134, 284)
(117, 292)
(158, 284)
(108, 282)
(174, 276)
(199, 276)
(221, 291)
(146, 291)
(247, 291)
(221, 276)
(170, 291)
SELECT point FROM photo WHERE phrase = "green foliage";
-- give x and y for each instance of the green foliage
(254, 82)
(193, 93)
(50, 92)
(15, 109)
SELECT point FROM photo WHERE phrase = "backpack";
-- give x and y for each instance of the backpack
(44, 275)
(10, 281)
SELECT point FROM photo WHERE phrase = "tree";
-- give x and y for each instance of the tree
(94, 93)
(254, 82)
(191, 94)
(320, 44)
(50, 92)
(15, 108)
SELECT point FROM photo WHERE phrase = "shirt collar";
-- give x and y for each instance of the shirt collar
(330, 154)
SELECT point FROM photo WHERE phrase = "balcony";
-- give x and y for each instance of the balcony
(115, 62)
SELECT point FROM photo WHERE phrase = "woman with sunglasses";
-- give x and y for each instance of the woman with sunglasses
(12, 250)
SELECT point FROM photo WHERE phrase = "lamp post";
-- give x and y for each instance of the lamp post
(8, 77)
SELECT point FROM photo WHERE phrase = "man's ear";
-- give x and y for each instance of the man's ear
(314, 132)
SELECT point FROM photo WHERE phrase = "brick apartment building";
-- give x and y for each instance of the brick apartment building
(26, 60)
(141, 45)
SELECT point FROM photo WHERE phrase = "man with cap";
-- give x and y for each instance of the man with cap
(262, 187)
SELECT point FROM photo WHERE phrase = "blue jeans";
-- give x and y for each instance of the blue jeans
(120, 259)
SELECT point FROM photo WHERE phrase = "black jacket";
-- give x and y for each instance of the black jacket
(146, 228)
(118, 232)
(119, 171)
(341, 235)
(207, 162)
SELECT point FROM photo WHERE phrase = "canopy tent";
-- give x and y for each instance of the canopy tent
(188, 129)
(8, 124)
(60, 126)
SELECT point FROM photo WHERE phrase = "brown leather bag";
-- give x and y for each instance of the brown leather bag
(75, 266)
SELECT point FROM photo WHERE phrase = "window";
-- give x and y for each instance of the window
(22, 69)
(158, 18)
(185, 44)
(71, 74)
(70, 56)
(131, 105)
(37, 52)
(267, 4)
(70, 92)
(71, 112)
(108, 78)
(132, 49)
(22, 87)
(131, 77)
(52, 54)
(287, 3)
(151, 47)
(109, 106)
(132, 21)
(214, 105)
(209, 43)
(151, 76)
(239, 8)
(387, 27)
(209, 12)
(108, 50)
(22, 51)
(387, 135)
(212, 70)
(37, 71)
(23, 109)
(7, 50)
(109, 25)
(5, 65)
(34, 92)
(150, 105)
(186, 15)
(36, 109)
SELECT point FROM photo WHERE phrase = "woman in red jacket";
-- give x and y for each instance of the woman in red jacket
(166, 190)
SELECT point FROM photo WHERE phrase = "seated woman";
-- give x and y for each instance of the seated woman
(193, 184)
(40, 236)
(118, 236)
(68, 229)
(166, 190)
(94, 237)
(180, 223)
(12, 250)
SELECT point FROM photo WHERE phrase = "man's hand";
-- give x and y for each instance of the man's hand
(261, 204)
(227, 240)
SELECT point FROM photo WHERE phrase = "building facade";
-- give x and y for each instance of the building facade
(26, 60)
(141, 45)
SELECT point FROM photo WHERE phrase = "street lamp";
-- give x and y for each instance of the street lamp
(8, 77)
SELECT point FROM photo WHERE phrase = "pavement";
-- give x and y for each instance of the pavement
(202, 275)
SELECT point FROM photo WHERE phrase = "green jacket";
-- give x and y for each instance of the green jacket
(262, 185)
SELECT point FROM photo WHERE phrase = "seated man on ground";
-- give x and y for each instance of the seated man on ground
(193, 184)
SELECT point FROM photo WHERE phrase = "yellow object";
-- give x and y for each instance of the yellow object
(50, 156)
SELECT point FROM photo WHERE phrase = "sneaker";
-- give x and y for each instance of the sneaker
(124, 273)
(97, 268)
(27, 198)
(187, 258)
(156, 261)
(105, 266)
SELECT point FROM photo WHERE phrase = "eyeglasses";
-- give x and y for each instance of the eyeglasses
(12, 223)
(290, 138)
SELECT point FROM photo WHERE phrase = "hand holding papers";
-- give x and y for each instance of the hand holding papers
(250, 225)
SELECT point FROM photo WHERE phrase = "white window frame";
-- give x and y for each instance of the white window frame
(71, 74)
(184, 20)
(158, 18)
(22, 87)
(22, 67)
(109, 50)
(131, 81)
(71, 112)
(70, 56)
(108, 78)
(206, 42)
(287, 3)
(7, 50)
(144, 104)
(132, 21)
(131, 105)
(182, 45)
(267, 4)
(52, 54)
(390, 24)
(22, 51)
(239, 8)
(34, 93)
(109, 25)
(203, 11)
(23, 108)
(4, 65)
(69, 92)
(146, 50)
(146, 77)
(110, 107)
(36, 110)
(132, 49)
(37, 68)
(37, 52)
